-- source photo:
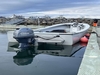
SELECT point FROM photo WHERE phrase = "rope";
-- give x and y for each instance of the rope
(48, 38)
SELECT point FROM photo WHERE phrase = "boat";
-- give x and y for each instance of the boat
(63, 34)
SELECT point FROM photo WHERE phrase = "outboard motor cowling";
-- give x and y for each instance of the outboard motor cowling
(24, 36)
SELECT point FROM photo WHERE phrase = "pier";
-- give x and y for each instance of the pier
(90, 64)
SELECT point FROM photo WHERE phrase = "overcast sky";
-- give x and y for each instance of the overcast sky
(68, 8)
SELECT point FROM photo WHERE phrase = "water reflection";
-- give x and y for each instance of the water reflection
(57, 50)
(25, 56)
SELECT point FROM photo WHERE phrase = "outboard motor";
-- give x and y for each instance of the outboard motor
(25, 37)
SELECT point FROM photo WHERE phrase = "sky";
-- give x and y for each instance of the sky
(53, 8)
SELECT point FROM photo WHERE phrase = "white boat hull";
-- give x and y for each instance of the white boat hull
(64, 39)
(43, 36)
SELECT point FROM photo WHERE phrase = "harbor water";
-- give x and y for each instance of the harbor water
(45, 59)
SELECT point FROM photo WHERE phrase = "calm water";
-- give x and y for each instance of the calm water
(45, 59)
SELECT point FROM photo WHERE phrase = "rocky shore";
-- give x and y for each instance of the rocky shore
(35, 22)
(45, 20)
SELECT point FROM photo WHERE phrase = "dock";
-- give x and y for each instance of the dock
(13, 27)
(90, 64)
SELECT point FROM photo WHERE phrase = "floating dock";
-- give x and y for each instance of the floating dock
(90, 64)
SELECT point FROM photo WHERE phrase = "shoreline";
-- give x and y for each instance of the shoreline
(13, 27)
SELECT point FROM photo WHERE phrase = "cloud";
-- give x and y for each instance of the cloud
(86, 11)
(17, 6)
(68, 8)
